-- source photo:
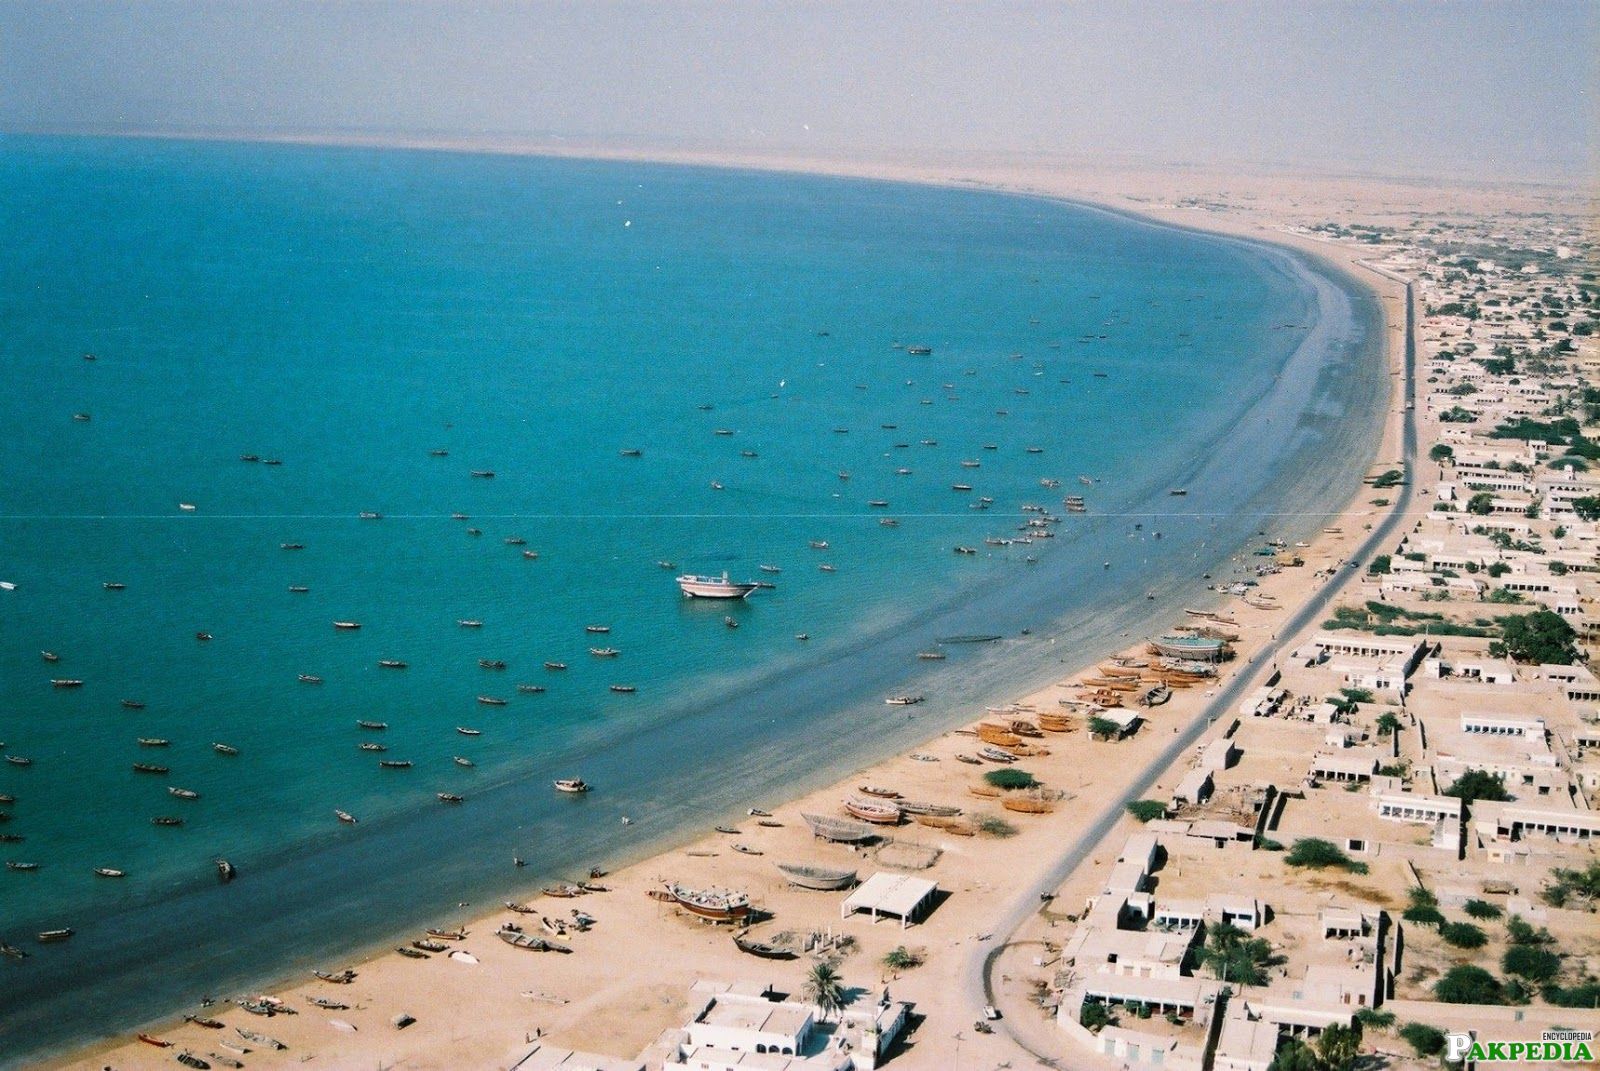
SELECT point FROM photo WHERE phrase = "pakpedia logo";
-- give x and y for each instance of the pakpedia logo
(1553, 1046)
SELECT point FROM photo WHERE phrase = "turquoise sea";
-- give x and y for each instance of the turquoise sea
(350, 312)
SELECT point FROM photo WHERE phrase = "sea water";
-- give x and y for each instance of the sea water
(354, 312)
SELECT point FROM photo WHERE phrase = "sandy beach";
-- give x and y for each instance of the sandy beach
(628, 978)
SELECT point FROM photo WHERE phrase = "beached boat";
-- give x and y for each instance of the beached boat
(840, 830)
(430, 945)
(201, 1020)
(820, 878)
(916, 807)
(225, 1061)
(517, 939)
(712, 587)
(878, 812)
(1188, 647)
(1027, 805)
(572, 785)
(716, 905)
(762, 949)
(149, 1039)
(745, 849)
(521, 909)
(327, 1003)
(879, 791)
(1000, 737)
(344, 977)
(994, 754)
(411, 953)
(256, 1038)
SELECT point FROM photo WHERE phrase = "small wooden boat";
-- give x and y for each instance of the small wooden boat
(256, 1038)
(344, 977)
(521, 909)
(448, 797)
(110, 872)
(150, 767)
(879, 792)
(224, 749)
(460, 761)
(874, 811)
(826, 568)
(395, 764)
(555, 666)
(152, 1040)
(390, 663)
(840, 830)
(427, 945)
(604, 652)
(903, 700)
(298, 589)
(166, 820)
(49, 656)
(373, 725)
(515, 541)
(347, 626)
(564, 891)
(154, 741)
(12, 864)
(19, 760)
(438, 453)
(457, 934)
(966, 550)
(994, 754)
(183, 793)
(931, 656)
(631, 452)
(291, 546)
(483, 474)
(745, 849)
(411, 953)
(226, 871)
(820, 878)
(491, 663)
(597, 629)
(518, 939)
(370, 515)
(530, 554)
(714, 905)
(469, 623)
(113, 585)
(1027, 805)
(346, 817)
(307, 678)
(373, 747)
(758, 948)
(491, 701)
(624, 689)
(531, 689)
(201, 1020)
(327, 1003)
(52, 937)
(225, 1061)
(572, 785)
(12, 951)
(66, 682)
(464, 731)
(915, 807)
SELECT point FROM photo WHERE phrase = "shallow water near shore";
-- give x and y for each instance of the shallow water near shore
(351, 311)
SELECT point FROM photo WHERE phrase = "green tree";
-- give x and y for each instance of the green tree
(1388, 723)
(1147, 810)
(1531, 962)
(1094, 1015)
(1441, 452)
(1010, 779)
(1462, 935)
(1477, 785)
(1481, 503)
(901, 958)
(1104, 728)
(1424, 1040)
(1466, 984)
(1315, 853)
(824, 989)
(1587, 508)
(1234, 956)
(1295, 1055)
(1338, 1046)
(1482, 909)
(1542, 637)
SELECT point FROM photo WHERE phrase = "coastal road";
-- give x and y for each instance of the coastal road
(976, 977)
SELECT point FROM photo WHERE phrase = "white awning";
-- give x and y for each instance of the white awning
(897, 895)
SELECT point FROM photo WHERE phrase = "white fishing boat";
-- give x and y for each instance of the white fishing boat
(713, 587)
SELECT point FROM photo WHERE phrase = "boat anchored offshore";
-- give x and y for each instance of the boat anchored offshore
(713, 587)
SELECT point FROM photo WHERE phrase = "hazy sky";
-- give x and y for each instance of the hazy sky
(1494, 89)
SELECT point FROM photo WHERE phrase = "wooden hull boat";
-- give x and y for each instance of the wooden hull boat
(820, 878)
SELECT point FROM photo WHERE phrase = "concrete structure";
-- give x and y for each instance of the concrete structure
(898, 896)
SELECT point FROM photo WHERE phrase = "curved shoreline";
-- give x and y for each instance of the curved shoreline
(1005, 662)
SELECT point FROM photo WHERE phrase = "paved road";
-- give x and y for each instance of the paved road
(976, 976)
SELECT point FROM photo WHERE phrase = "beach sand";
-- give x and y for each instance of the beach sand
(628, 978)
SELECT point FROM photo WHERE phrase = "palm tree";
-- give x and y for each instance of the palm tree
(824, 989)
